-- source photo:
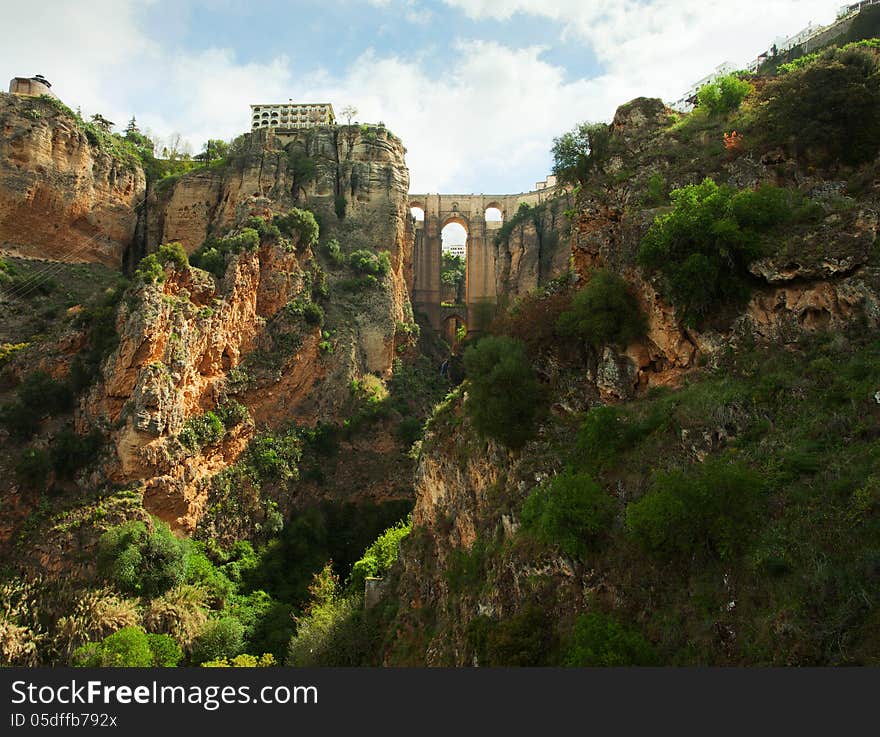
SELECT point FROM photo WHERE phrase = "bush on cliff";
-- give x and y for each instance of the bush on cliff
(702, 249)
(299, 224)
(604, 312)
(577, 153)
(211, 255)
(174, 254)
(369, 263)
(710, 509)
(138, 561)
(826, 110)
(503, 393)
(600, 641)
(723, 95)
(380, 556)
(570, 510)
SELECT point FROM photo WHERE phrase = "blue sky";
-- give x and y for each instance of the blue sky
(477, 89)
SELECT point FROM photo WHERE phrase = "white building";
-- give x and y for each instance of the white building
(783, 43)
(290, 115)
(456, 249)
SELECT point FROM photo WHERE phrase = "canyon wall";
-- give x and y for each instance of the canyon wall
(62, 196)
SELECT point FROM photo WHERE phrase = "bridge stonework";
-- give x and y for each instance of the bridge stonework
(470, 212)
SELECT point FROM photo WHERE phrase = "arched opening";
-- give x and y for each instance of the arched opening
(453, 266)
(417, 211)
(494, 217)
(454, 331)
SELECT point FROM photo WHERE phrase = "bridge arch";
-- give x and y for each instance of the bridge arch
(494, 214)
(417, 213)
(471, 212)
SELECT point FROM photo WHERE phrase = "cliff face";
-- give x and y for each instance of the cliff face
(61, 196)
(819, 276)
(185, 342)
(355, 179)
(536, 250)
(468, 570)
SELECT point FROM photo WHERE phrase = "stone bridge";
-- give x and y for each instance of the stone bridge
(468, 211)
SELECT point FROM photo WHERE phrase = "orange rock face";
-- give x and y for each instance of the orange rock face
(62, 197)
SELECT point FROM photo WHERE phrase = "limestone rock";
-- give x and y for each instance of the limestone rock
(61, 196)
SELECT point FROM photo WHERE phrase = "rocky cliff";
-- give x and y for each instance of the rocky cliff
(474, 587)
(534, 248)
(63, 196)
(182, 341)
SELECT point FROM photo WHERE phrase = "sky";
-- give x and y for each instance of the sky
(477, 89)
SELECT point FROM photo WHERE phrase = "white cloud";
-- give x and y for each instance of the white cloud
(658, 47)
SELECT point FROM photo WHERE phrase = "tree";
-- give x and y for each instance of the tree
(213, 149)
(503, 394)
(570, 510)
(827, 110)
(348, 112)
(702, 248)
(723, 95)
(101, 122)
(604, 312)
(577, 153)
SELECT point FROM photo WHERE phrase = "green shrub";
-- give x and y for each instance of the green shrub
(313, 314)
(600, 641)
(71, 452)
(32, 468)
(211, 256)
(299, 224)
(202, 430)
(266, 230)
(570, 510)
(576, 154)
(334, 252)
(372, 264)
(150, 270)
(334, 629)
(503, 394)
(165, 650)
(275, 457)
(703, 247)
(601, 438)
(723, 95)
(380, 556)
(232, 413)
(173, 253)
(142, 562)
(212, 260)
(221, 638)
(604, 312)
(828, 109)
(710, 509)
(45, 395)
(128, 647)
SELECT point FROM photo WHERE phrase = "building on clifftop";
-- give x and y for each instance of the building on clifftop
(31, 86)
(290, 115)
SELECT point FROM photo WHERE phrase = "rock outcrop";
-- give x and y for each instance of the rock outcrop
(63, 197)
(185, 339)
